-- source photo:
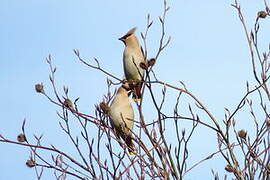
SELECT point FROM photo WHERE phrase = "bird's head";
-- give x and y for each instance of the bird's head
(126, 87)
(128, 35)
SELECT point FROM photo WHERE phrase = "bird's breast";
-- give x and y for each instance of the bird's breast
(131, 61)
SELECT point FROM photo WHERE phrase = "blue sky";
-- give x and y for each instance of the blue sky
(208, 52)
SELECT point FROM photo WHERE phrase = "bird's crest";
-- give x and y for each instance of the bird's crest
(129, 33)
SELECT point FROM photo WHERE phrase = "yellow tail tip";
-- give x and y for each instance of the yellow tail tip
(132, 153)
(137, 99)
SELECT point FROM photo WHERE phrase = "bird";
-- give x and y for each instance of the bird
(132, 58)
(122, 116)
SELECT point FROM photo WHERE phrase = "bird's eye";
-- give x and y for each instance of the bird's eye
(129, 93)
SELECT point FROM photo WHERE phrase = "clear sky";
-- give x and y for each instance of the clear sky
(208, 52)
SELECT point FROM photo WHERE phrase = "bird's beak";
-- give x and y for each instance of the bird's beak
(122, 38)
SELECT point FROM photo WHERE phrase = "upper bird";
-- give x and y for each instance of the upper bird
(122, 116)
(132, 57)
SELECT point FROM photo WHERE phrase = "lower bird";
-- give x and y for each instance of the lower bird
(122, 116)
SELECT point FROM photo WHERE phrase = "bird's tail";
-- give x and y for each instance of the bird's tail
(137, 95)
(130, 145)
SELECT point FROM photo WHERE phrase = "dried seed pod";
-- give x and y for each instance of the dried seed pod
(68, 103)
(268, 122)
(104, 107)
(143, 65)
(267, 168)
(21, 138)
(30, 163)
(229, 168)
(151, 62)
(165, 175)
(242, 134)
(39, 88)
(262, 14)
